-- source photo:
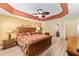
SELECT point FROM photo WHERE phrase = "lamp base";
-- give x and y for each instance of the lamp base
(9, 36)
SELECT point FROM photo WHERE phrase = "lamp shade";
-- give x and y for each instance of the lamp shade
(10, 31)
(38, 28)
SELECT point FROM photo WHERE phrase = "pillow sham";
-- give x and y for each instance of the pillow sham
(27, 33)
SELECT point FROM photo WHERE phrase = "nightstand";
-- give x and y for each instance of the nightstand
(1, 48)
(9, 43)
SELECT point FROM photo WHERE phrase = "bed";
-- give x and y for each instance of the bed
(32, 44)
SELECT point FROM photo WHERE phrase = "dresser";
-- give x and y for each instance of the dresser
(71, 45)
(1, 48)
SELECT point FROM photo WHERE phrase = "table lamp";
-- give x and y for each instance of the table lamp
(9, 33)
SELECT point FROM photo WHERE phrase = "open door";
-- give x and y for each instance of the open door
(58, 30)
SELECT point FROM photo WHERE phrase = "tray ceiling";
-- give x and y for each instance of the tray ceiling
(56, 10)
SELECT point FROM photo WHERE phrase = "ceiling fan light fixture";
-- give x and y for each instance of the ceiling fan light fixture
(39, 15)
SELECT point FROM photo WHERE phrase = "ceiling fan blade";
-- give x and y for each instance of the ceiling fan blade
(43, 16)
(34, 13)
(46, 13)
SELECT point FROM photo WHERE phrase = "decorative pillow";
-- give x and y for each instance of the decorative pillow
(47, 33)
(9, 43)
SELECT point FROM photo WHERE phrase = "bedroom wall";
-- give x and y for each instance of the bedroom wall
(0, 34)
(8, 22)
(69, 23)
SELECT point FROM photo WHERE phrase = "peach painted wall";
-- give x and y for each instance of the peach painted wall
(8, 22)
(69, 23)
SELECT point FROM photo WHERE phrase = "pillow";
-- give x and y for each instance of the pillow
(22, 34)
(32, 33)
(27, 33)
(9, 43)
(47, 33)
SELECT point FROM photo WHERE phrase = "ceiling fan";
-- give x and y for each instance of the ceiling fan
(41, 14)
